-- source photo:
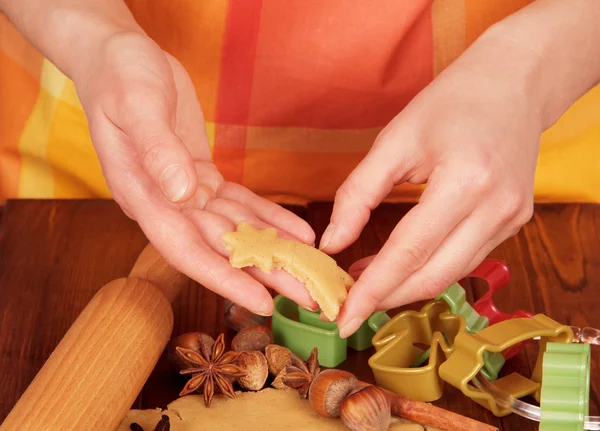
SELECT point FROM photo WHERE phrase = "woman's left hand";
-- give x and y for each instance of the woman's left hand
(473, 136)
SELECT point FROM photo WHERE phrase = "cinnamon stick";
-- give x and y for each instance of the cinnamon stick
(428, 414)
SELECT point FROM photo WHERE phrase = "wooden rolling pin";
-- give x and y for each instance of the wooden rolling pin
(96, 372)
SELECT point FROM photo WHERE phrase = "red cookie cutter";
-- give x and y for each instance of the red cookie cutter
(496, 274)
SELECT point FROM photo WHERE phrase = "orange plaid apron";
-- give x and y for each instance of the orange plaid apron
(294, 93)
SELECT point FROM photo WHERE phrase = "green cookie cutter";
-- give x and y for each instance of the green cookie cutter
(462, 369)
(565, 396)
(301, 330)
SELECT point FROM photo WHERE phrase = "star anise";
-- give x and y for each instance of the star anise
(162, 425)
(210, 368)
(300, 376)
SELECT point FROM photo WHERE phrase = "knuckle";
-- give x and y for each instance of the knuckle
(374, 297)
(512, 206)
(526, 213)
(411, 257)
(478, 176)
(350, 191)
(434, 285)
(152, 154)
(482, 179)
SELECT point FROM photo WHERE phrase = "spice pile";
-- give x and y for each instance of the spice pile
(253, 364)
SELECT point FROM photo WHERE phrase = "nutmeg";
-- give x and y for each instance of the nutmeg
(366, 410)
(190, 340)
(238, 317)
(255, 363)
(329, 388)
(252, 338)
(279, 357)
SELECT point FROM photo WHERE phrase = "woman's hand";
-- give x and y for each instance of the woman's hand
(148, 130)
(473, 136)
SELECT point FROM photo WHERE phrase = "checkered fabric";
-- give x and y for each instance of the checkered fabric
(294, 93)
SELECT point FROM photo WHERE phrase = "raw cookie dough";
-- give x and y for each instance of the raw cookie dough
(325, 281)
(270, 409)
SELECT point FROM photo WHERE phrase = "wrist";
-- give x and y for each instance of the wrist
(550, 49)
(77, 29)
(81, 35)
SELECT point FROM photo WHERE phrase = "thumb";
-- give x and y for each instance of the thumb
(163, 155)
(368, 184)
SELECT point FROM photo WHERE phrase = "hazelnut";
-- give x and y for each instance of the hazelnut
(252, 338)
(329, 389)
(366, 410)
(238, 318)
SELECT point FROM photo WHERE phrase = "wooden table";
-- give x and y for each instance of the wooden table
(54, 255)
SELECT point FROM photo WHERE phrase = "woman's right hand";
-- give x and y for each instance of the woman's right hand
(148, 131)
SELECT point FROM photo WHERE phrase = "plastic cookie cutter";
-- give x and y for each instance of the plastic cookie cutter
(397, 346)
(497, 275)
(465, 364)
(456, 298)
(301, 330)
(564, 398)
(484, 312)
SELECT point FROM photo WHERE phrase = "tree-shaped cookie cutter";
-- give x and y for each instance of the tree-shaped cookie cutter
(483, 313)
(397, 346)
(564, 395)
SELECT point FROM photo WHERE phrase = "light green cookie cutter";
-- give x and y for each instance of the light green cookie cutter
(301, 330)
(565, 396)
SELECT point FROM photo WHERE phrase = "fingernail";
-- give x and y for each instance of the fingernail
(327, 235)
(263, 313)
(174, 181)
(324, 318)
(350, 327)
(265, 309)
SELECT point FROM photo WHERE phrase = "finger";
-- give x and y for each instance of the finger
(451, 261)
(488, 248)
(270, 212)
(212, 226)
(146, 118)
(238, 213)
(178, 238)
(367, 185)
(361, 264)
(285, 284)
(412, 242)
(173, 235)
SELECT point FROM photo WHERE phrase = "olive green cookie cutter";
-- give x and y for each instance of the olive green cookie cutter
(396, 345)
(301, 330)
(456, 298)
(468, 358)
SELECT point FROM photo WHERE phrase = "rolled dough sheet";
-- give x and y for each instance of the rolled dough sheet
(270, 409)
